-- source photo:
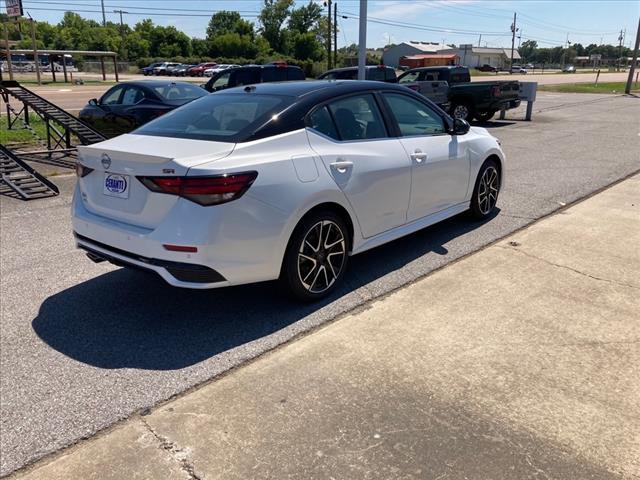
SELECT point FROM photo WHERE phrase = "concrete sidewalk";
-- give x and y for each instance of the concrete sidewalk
(520, 361)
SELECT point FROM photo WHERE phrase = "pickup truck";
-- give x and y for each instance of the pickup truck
(465, 99)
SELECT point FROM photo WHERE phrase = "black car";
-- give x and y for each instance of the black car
(149, 70)
(486, 68)
(126, 106)
(380, 73)
(250, 74)
(181, 71)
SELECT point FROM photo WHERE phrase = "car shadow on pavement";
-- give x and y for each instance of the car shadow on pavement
(131, 319)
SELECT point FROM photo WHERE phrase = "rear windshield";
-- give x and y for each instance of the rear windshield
(220, 117)
(179, 91)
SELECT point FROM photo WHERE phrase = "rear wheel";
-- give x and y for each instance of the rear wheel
(487, 188)
(316, 257)
(484, 116)
(462, 110)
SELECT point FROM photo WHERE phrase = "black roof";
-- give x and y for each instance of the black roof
(319, 88)
(155, 83)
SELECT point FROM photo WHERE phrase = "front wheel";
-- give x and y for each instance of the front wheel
(486, 190)
(316, 256)
(462, 110)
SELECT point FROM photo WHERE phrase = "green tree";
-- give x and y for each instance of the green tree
(305, 46)
(306, 18)
(527, 49)
(272, 18)
(224, 22)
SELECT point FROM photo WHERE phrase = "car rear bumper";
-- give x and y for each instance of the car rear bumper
(240, 242)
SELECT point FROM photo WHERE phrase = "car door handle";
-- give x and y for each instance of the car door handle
(341, 166)
(419, 156)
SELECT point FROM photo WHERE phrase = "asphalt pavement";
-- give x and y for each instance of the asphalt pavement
(84, 345)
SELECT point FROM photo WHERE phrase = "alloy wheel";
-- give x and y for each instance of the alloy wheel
(321, 256)
(461, 111)
(488, 190)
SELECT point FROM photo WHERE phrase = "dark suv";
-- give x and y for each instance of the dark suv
(380, 73)
(250, 74)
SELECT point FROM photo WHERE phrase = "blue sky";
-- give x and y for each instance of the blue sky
(454, 21)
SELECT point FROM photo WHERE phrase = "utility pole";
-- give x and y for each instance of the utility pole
(335, 35)
(122, 49)
(329, 34)
(480, 40)
(35, 51)
(362, 41)
(634, 59)
(564, 51)
(620, 39)
(513, 39)
(104, 18)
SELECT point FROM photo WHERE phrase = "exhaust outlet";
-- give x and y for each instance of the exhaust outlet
(95, 258)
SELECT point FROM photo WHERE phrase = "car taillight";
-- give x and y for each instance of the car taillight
(204, 191)
(82, 171)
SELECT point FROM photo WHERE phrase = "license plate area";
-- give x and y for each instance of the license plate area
(116, 185)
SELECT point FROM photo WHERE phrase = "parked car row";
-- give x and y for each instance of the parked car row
(129, 105)
(184, 70)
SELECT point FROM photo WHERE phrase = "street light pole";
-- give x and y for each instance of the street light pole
(513, 39)
(362, 41)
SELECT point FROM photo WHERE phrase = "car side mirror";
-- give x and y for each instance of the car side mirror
(93, 102)
(460, 126)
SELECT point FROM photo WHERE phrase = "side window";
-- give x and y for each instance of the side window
(358, 118)
(321, 121)
(132, 95)
(243, 77)
(347, 75)
(414, 117)
(274, 74)
(376, 74)
(221, 82)
(390, 75)
(112, 97)
(295, 74)
(409, 77)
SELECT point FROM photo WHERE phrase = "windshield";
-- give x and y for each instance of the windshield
(220, 117)
(178, 91)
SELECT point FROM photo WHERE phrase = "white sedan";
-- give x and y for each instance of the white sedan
(210, 72)
(280, 181)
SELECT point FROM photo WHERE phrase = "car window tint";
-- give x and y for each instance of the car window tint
(222, 81)
(358, 118)
(179, 91)
(274, 74)
(112, 97)
(414, 117)
(295, 74)
(375, 74)
(409, 77)
(220, 117)
(321, 121)
(132, 95)
(244, 77)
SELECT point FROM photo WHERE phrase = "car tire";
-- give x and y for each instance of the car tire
(462, 110)
(484, 116)
(486, 190)
(310, 270)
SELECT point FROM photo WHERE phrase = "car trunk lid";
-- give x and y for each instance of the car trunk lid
(112, 189)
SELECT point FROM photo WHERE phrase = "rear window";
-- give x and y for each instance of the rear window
(295, 74)
(179, 91)
(274, 74)
(376, 74)
(221, 117)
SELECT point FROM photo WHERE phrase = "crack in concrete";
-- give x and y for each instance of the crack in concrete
(566, 267)
(176, 453)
